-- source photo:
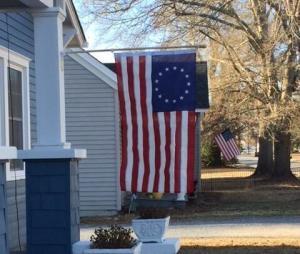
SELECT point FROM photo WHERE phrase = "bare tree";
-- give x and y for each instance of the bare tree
(259, 40)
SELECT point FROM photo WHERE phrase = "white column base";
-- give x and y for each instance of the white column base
(168, 246)
(83, 247)
(7, 153)
(52, 153)
(80, 247)
(47, 147)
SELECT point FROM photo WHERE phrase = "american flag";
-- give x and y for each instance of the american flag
(157, 107)
(227, 145)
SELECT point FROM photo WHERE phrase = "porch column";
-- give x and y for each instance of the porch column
(49, 76)
(6, 153)
(52, 192)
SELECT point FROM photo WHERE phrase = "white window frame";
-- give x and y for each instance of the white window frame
(19, 63)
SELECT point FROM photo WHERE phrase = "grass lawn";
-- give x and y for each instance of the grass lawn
(260, 200)
(263, 199)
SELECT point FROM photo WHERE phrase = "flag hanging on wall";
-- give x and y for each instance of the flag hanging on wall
(227, 145)
(157, 107)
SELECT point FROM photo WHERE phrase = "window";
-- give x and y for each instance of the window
(15, 114)
(14, 107)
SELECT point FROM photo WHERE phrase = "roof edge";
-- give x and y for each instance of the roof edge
(96, 67)
(76, 22)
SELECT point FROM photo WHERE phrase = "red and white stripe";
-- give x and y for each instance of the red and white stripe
(228, 148)
(157, 148)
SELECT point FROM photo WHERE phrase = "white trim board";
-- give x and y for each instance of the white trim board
(12, 59)
(7, 153)
(38, 3)
(96, 67)
(118, 150)
(76, 23)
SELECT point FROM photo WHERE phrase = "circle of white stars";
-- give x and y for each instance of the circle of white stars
(173, 100)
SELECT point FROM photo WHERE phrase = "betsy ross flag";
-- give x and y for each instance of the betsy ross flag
(227, 145)
(157, 106)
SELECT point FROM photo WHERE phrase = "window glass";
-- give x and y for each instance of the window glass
(15, 113)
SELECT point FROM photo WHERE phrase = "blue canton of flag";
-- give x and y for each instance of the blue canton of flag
(174, 82)
(227, 135)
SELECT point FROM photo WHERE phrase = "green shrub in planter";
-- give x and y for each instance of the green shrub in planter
(114, 237)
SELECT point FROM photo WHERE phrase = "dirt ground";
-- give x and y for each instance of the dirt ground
(240, 246)
(242, 242)
(240, 250)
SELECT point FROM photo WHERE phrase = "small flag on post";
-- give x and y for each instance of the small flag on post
(157, 100)
(227, 145)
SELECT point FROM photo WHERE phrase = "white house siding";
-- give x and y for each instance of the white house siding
(21, 37)
(90, 124)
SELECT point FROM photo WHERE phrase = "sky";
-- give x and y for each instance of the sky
(92, 34)
(97, 38)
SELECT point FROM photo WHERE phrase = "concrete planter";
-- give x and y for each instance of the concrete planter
(83, 247)
(150, 230)
(168, 246)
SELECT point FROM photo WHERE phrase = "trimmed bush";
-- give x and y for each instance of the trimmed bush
(114, 237)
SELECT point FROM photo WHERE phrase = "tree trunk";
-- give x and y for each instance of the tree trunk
(265, 163)
(282, 153)
(217, 156)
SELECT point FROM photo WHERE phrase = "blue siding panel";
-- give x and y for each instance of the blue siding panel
(13, 225)
(16, 20)
(3, 247)
(55, 218)
(52, 205)
(53, 201)
(3, 211)
(52, 184)
(26, 37)
(49, 237)
(57, 249)
(24, 17)
(20, 31)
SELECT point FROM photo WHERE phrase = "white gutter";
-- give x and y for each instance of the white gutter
(38, 3)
